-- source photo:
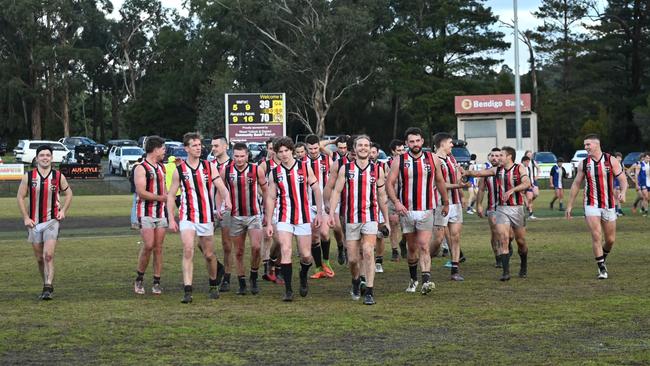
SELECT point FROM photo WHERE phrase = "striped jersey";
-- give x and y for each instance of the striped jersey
(492, 192)
(449, 170)
(321, 168)
(197, 200)
(155, 183)
(416, 181)
(221, 166)
(242, 186)
(361, 187)
(43, 195)
(292, 193)
(506, 179)
(342, 162)
(599, 181)
(336, 157)
(557, 173)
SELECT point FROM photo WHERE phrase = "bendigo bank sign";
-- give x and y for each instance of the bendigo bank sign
(500, 103)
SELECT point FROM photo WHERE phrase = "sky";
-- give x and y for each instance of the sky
(501, 8)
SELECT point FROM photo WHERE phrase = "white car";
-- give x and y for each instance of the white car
(25, 152)
(122, 158)
(577, 158)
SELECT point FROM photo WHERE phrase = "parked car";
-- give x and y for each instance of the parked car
(460, 153)
(577, 158)
(122, 158)
(3, 146)
(74, 141)
(120, 142)
(545, 161)
(631, 159)
(255, 148)
(177, 151)
(25, 152)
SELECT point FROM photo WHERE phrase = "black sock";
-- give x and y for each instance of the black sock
(413, 270)
(278, 270)
(356, 284)
(510, 250)
(600, 261)
(265, 263)
(316, 253)
(461, 254)
(304, 270)
(379, 259)
(395, 251)
(226, 277)
(497, 258)
(605, 253)
(140, 276)
(426, 277)
(212, 283)
(454, 267)
(505, 261)
(253, 274)
(369, 291)
(524, 259)
(363, 278)
(325, 248)
(156, 280)
(242, 281)
(187, 288)
(287, 272)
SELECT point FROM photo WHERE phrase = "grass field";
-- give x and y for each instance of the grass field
(560, 315)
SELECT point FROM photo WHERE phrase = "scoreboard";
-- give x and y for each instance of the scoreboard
(255, 117)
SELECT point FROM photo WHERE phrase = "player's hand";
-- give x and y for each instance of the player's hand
(400, 208)
(219, 214)
(173, 226)
(228, 205)
(507, 194)
(445, 210)
(29, 222)
(61, 215)
(331, 220)
(567, 213)
(621, 197)
(317, 220)
(269, 231)
(464, 184)
(479, 211)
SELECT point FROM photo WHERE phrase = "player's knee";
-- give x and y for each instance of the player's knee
(48, 257)
(188, 253)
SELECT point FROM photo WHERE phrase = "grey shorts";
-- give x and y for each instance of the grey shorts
(391, 208)
(148, 222)
(455, 215)
(240, 224)
(416, 221)
(43, 232)
(354, 231)
(226, 220)
(511, 215)
(491, 213)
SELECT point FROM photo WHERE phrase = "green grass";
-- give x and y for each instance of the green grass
(82, 206)
(560, 315)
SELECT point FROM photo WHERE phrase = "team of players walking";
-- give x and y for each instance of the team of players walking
(287, 197)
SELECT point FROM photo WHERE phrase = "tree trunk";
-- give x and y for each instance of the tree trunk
(115, 115)
(65, 110)
(37, 133)
(100, 116)
(395, 113)
(95, 124)
(25, 118)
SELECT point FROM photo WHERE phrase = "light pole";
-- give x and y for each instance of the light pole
(517, 86)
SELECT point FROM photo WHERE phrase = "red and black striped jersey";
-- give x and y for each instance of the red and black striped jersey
(43, 195)
(269, 165)
(155, 183)
(449, 170)
(292, 194)
(242, 186)
(506, 179)
(416, 181)
(492, 192)
(599, 182)
(342, 162)
(222, 166)
(361, 187)
(321, 168)
(336, 157)
(197, 201)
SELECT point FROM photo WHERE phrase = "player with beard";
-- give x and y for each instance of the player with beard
(416, 173)
(288, 187)
(364, 182)
(598, 170)
(320, 247)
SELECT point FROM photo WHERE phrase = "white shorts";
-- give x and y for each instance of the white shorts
(605, 214)
(416, 220)
(45, 231)
(206, 229)
(455, 215)
(298, 230)
(354, 231)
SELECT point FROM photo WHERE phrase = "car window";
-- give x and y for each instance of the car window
(581, 155)
(118, 152)
(58, 147)
(545, 157)
(132, 151)
(459, 152)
